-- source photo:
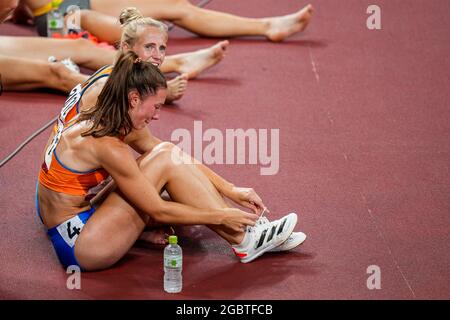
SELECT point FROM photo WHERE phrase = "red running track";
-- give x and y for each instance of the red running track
(364, 160)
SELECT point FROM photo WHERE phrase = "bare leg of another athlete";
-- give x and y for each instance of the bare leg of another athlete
(211, 23)
(20, 74)
(87, 54)
(83, 52)
(107, 28)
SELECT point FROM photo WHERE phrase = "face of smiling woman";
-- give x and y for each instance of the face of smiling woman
(150, 46)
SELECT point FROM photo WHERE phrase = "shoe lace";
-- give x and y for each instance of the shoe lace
(262, 220)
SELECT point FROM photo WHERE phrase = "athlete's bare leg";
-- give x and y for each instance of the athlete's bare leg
(211, 23)
(20, 74)
(193, 63)
(83, 52)
(87, 54)
(107, 28)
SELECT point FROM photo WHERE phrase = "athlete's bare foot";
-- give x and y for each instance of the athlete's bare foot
(157, 236)
(195, 62)
(176, 88)
(282, 27)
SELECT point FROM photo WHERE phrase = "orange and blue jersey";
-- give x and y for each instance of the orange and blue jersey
(58, 177)
(54, 174)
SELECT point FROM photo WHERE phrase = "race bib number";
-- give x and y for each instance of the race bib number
(70, 230)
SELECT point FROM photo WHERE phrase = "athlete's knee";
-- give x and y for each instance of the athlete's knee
(172, 154)
(164, 147)
(159, 152)
(160, 149)
(164, 154)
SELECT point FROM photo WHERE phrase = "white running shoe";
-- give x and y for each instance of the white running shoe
(264, 237)
(294, 240)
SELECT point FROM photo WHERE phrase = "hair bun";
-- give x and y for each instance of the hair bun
(129, 14)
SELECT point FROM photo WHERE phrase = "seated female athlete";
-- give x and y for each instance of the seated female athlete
(94, 144)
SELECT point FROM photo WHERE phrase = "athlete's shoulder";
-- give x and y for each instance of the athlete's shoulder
(106, 70)
(101, 75)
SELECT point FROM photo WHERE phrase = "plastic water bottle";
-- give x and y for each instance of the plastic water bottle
(173, 265)
(55, 21)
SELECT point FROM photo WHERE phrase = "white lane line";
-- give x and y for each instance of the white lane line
(316, 74)
(387, 245)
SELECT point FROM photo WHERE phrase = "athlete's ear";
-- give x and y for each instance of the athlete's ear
(134, 98)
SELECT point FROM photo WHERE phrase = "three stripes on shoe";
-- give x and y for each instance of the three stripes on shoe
(272, 232)
(262, 238)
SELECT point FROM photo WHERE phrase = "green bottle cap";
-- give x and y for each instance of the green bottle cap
(173, 239)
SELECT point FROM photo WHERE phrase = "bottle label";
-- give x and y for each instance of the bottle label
(173, 262)
(55, 20)
(56, 23)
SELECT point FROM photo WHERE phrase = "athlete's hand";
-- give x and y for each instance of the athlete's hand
(248, 198)
(237, 220)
